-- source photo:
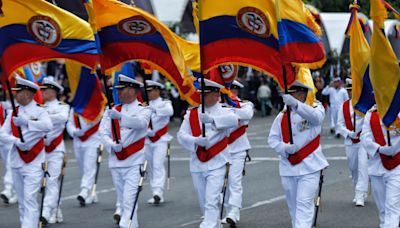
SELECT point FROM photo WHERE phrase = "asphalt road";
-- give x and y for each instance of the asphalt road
(263, 204)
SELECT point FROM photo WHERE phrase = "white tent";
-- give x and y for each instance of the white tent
(169, 11)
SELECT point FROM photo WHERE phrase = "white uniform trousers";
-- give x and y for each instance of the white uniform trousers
(379, 192)
(392, 202)
(27, 185)
(358, 165)
(7, 178)
(208, 186)
(333, 115)
(155, 154)
(235, 189)
(55, 160)
(363, 178)
(87, 158)
(126, 180)
(300, 192)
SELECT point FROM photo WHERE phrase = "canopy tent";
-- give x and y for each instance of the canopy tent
(393, 33)
(367, 29)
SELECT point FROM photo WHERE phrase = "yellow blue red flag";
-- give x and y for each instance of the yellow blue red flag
(87, 97)
(129, 33)
(298, 34)
(384, 69)
(362, 93)
(241, 32)
(36, 30)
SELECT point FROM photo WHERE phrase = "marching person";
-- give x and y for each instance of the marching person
(157, 140)
(27, 156)
(301, 162)
(337, 95)
(55, 148)
(8, 195)
(210, 154)
(238, 147)
(356, 156)
(86, 140)
(126, 157)
(383, 167)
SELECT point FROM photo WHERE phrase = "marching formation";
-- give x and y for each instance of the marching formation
(279, 39)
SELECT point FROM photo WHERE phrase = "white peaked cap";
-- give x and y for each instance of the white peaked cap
(127, 80)
(238, 84)
(49, 81)
(151, 83)
(21, 83)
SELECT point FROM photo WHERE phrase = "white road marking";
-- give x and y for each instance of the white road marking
(257, 204)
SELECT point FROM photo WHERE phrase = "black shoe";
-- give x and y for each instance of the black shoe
(157, 200)
(338, 136)
(44, 221)
(5, 199)
(332, 131)
(117, 218)
(81, 201)
(231, 222)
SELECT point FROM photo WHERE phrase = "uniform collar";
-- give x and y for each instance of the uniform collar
(155, 101)
(213, 108)
(30, 105)
(53, 102)
(132, 105)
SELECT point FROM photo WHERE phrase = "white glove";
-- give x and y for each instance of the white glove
(291, 148)
(152, 108)
(205, 118)
(290, 101)
(20, 121)
(353, 135)
(387, 150)
(21, 145)
(116, 147)
(78, 132)
(201, 141)
(47, 141)
(115, 115)
(150, 133)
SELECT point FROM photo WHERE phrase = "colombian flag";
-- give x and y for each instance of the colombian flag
(384, 69)
(362, 92)
(36, 30)
(241, 32)
(298, 34)
(128, 33)
(88, 99)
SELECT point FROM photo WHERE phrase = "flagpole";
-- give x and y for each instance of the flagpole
(108, 95)
(14, 108)
(202, 83)
(287, 107)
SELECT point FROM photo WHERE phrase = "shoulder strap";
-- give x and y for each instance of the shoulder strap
(377, 129)
(194, 122)
(347, 115)
(285, 128)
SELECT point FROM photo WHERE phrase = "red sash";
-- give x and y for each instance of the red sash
(160, 133)
(2, 115)
(308, 149)
(237, 134)
(347, 120)
(53, 145)
(203, 154)
(388, 162)
(91, 131)
(132, 148)
(27, 156)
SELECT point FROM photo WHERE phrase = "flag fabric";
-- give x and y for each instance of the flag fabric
(362, 93)
(129, 33)
(241, 32)
(298, 34)
(384, 69)
(87, 97)
(36, 30)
